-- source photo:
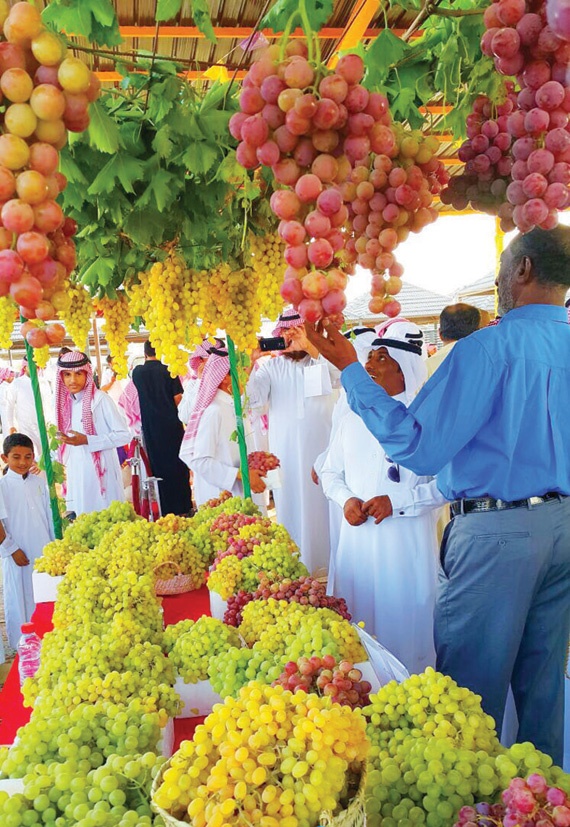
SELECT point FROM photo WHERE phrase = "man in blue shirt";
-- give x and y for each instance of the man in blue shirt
(494, 425)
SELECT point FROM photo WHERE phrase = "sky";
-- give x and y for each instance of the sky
(447, 255)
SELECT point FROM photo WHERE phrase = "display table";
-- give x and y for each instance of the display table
(13, 713)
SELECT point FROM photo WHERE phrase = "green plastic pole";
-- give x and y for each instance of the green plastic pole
(239, 418)
(46, 454)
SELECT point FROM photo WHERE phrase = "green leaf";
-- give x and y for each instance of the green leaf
(167, 9)
(200, 157)
(163, 188)
(403, 105)
(214, 123)
(70, 169)
(146, 227)
(201, 15)
(93, 19)
(103, 131)
(126, 169)
(99, 272)
(384, 53)
(318, 12)
(162, 143)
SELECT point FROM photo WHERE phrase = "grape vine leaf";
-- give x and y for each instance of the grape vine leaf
(168, 9)
(123, 167)
(103, 131)
(200, 157)
(163, 188)
(383, 54)
(318, 12)
(93, 19)
(162, 143)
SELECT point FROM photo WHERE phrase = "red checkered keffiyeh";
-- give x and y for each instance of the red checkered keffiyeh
(289, 318)
(202, 352)
(76, 361)
(6, 373)
(215, 371)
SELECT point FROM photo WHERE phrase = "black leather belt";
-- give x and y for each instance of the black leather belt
(483, 504)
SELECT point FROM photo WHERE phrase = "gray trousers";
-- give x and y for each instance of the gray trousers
(503, 614)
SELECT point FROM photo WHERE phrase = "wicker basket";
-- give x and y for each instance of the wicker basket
(353, 816)
(177, 584)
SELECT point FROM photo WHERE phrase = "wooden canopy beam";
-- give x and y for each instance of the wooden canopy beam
(241, 32)
(355, 29)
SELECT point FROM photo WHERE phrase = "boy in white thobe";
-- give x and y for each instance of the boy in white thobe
(28, 527)
(299, 394)
(208, 448)
(386, 562)
(91, 428)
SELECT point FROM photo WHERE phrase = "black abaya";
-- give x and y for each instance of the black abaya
(163, 433)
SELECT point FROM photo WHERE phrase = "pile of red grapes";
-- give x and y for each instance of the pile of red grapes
(305, 590)
(523, 45)
(226, 526)
(342, 683)
(531, 802)
(45, 94)
(262, 461)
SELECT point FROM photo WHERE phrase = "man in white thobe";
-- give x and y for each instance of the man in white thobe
(21, 416)
(386, 562)
(208, 447)
(298, 390)
(362, 338)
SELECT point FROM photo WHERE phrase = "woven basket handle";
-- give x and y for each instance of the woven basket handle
(170, 563)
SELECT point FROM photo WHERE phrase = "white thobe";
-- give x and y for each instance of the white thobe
(21, 409)
(387, 573)
(215, 458)
(188, 400)
(28, 525)
(299, 430)
(83, 485)
(340, 410)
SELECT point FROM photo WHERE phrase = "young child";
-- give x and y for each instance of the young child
(91, 428)
(26, 528)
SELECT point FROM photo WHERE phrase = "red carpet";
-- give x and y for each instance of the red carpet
(13, 714)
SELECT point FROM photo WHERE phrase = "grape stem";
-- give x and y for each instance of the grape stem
(286, 34)
(305, 22)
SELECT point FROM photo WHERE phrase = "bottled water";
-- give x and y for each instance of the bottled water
(29, 650)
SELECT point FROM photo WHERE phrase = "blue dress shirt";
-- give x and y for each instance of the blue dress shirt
(494, 420)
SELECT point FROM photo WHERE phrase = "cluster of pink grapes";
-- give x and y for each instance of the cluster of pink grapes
(237, 547)
(322, 676)
(312, 129)
(226, 526)
(522, 44)
(389, 195)
(531, 802)
(262, 461)
(488, 162)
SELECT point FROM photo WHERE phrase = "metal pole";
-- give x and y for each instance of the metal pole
(46, 454)
(97, 349)
(239, 418)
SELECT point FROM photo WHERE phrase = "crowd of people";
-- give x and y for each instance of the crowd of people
(376, 443)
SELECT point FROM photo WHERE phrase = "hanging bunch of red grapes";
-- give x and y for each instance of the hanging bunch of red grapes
(46, 93)
(349, 185)
(517, 156)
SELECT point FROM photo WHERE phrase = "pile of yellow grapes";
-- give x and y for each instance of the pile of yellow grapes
(268, 267)
(268, 757)
(117, 315)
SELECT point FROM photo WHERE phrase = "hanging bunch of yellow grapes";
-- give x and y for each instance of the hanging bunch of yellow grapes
(117, 315)
(234, 304)
(7, 319)
(76, 314)
(268, 265)
(167, 300)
